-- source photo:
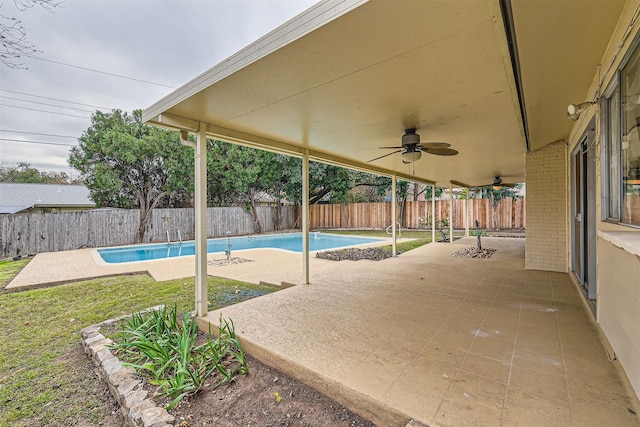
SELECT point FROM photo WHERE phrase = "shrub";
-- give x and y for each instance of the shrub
(163, 348)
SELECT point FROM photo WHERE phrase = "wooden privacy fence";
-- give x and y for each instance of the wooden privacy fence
(510, 214)
(23, 234)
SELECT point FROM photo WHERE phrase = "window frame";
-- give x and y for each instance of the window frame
(605, 123)
(605, 108)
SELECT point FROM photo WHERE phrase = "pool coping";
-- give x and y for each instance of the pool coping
(100, 260)
(271, 265)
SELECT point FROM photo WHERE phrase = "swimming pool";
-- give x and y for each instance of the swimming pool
(289, 242)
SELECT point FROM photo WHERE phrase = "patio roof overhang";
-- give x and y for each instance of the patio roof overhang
(344, 78)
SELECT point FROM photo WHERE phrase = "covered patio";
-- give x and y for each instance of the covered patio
(512, 340)
(441, 340)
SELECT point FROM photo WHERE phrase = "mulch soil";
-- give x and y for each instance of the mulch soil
(355, 254)
(473, 252)
(252, 400)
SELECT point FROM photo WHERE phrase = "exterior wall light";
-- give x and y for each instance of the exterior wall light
(574, 110)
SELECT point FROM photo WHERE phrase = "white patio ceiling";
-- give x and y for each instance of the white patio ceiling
(346, 77)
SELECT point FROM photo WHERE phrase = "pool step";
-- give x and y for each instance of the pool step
(285, 285)
(282, 285)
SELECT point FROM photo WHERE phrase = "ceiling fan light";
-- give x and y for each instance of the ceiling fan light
(497, 187)
(411, 156)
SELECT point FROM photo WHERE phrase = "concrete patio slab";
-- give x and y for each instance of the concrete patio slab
(442, 340)
(426, 336)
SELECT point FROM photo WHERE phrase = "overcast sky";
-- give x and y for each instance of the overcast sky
(159, 41)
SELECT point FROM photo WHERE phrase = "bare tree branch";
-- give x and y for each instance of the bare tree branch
(14, 44)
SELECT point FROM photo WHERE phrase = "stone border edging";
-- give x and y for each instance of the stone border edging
(123, 382)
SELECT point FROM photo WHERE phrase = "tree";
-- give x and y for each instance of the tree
(326, 182)
(427, 192)
(367, 187)
(488, 192)
(127, 164)
(24, 173)
(13, 36)
(238, 175)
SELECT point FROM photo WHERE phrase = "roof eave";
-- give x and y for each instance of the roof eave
(304, 23)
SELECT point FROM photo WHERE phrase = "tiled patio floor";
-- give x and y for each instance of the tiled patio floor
(445, 341)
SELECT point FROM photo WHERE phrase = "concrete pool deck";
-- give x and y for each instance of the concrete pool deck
(52, 268)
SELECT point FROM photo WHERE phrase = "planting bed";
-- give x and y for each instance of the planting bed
(264, 397)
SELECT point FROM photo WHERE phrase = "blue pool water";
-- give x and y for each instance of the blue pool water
(289, 242)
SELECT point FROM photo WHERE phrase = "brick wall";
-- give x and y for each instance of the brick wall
(546, 209)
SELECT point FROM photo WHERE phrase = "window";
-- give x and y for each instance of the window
(630, 148)
(621, 148)
(611, 110)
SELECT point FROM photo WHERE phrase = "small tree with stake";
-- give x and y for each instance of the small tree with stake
(478, 233)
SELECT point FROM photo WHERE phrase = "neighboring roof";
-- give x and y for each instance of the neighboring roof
(18, 197)
(263, 197)
(12, 209)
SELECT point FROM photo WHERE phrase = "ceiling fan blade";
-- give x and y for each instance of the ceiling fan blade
(434, 144)
(497, 182)
(390, 147)
(440, 151)
(388, 154)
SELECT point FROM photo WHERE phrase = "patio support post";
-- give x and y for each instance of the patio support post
(202, 304)
(450, 212)
(305, 217)
(433, 213)
(466, 214)
(393, 216)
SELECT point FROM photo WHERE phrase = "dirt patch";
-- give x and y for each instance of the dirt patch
(473, 252)
(264, 397)
(222, 262)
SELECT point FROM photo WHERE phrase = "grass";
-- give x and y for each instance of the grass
(408, 245)
(408, 234)
(9, 269)
(420, 237)
(42, 380)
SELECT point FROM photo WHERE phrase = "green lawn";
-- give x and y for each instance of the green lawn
(42, 381)
(409, 234)
(9, 269)
(408, 245)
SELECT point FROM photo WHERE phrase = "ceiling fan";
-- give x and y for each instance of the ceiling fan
(412, 148)
(498, 184)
